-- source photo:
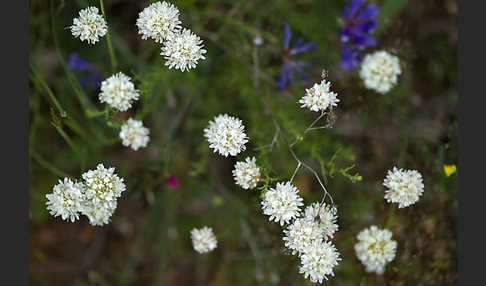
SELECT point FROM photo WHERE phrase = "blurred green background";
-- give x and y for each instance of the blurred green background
(148, 242)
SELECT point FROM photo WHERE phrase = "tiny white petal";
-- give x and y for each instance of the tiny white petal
(318, 260)
(282, 204)
(159, 21)
(246, 173)
(319, 97)
(183, 50)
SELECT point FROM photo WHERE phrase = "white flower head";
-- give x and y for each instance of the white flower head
(183, 50)
(203, 240)
(375, 248)
(318, 260)
(301, 233)
(99, 213)
(380, 71)
(134, 134)
(404, 187)
(118, 91)
(66, 199)
(103, 187)
(89, 26)
(246, 173)
(159, 21)
(325, 215)
(226, 135)
(282, 203)
(319, 97)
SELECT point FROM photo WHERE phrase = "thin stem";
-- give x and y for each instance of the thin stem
(295, 172)
(111, 51)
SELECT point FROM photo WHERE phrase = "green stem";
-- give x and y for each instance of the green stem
(114, 63)
(391, 215)
(44, 163)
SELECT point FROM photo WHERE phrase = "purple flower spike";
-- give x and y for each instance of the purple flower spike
(356, 34)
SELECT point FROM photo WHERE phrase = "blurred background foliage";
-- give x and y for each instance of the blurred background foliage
(148, 242)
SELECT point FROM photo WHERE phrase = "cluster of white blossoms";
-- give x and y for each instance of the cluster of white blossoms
(66, 199)
(203, 240)
(159, 21)
(375, 248)
(226, 135)
(95, 197)
(282, 203)
(89, 26)
(118, 92)
(247, 173)
(380, 71)
(325, 215)
(299, 235)
(404, 187)
(102, 188)
(182, 49)
(319, 97)
(318, 260)
(134, 134)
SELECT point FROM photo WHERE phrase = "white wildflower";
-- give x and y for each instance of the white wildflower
(203, 240)
(375, 249)
(159, 21)
(380, 71)
(318, 260)
(282, 203)
(404, 187)
(319, 97)
(118, 91)
(183, 50)
(226, 135)
(301, 233)
(100, 213)
(103, 187)
(66, 199)
(134, 134)
(246, 173)
(90, 26)
(325, 215)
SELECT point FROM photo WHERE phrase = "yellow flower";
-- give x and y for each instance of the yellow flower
(450, 169)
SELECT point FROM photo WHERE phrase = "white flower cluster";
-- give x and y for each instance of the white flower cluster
(134, 134)
(318, 260)
(375, 248)
(90, 26)
(95, 197)
(404, 187)
(319, 97)
(325, 215)
(226, 135)
(66, 199)
(380, 71)
(203, 240)
(246, 173)
(182, 49)
(159, 21)
(118, 92)
(307, 236)
(282, 203)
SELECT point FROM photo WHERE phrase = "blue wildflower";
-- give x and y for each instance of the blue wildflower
(356, 35)
(299, 46)
(94, 78)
